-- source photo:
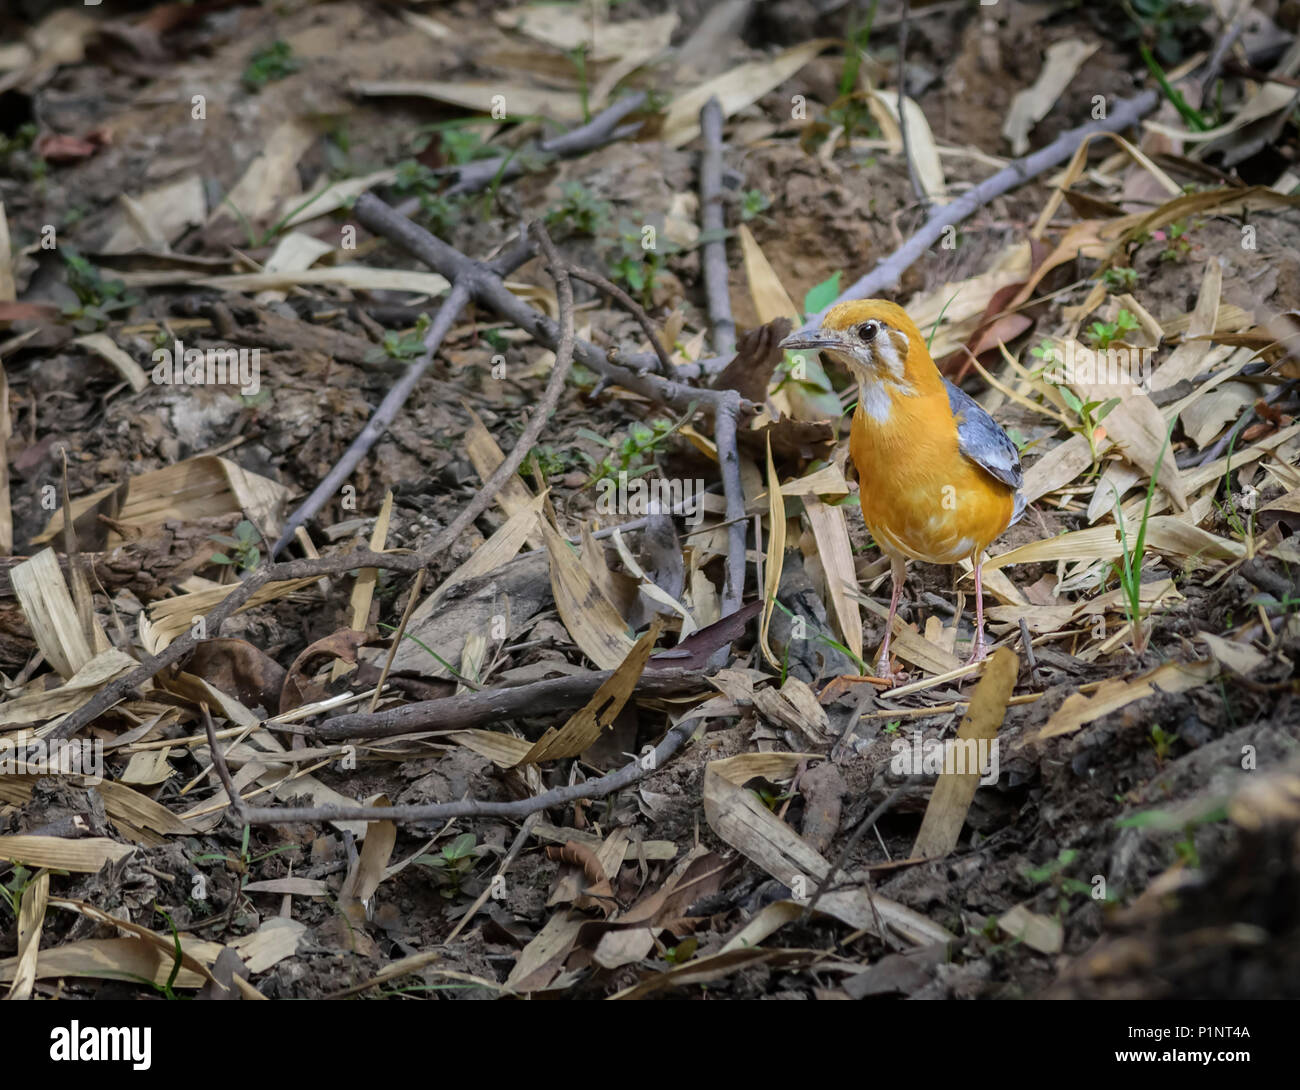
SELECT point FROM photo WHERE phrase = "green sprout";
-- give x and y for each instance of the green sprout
(578, 212)
(1120, 278)
(451, 866)
(753, 203)
(401, 346)
(268, 65)
(245, 547)
(1129, 567)
(1103, 334)
(98, 297)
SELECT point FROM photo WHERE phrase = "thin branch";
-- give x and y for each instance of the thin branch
(489, 706)
(381, 219)
(713, 222)
(725, 405)
(724, 438)
(219, 762)
(599, 788)
(382, 419)
(600, 130)
(865, 826)
(890, 269)
(613, 291)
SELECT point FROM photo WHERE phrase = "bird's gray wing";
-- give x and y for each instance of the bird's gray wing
(986, 444)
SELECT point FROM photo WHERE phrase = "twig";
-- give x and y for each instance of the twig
(219, 763)
(381, 219)
(629, 774)
(466, 710)
(713, 223)
(1218, 448)
(888, 271)
(917, 187)
(601, 129)
(867, 824)
(724, 438)
(312, 568)
(525, 830)
(393, 401)
(383, 416)
(613, 291)
(472, 274)
(726, 405)
(398, 635)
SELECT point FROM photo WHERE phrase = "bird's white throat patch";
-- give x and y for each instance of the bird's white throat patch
(877, 398)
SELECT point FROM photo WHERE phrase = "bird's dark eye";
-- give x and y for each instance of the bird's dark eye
(867, 330)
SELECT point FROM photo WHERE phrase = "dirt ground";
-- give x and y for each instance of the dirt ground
(1149, 851)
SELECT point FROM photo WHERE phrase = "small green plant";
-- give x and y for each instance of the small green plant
(770, 795)
(1178, 247)
(1090, 415)
(1103, 334)
(634, 456)
(1171, 27)
(98, 297)
(1054, 873)
(12, 891)
(452, 865)
(1230, 510)
(850, 110)
(682, 952)
(892, 726)
(578, 212)
(401, 346)
(245, 547)
(636, 264)
(256, 238)
(1120, 278)
(463, 145)
(1163, 821)
(578, 58)
(17, 159)
(546, 461)
(269, 64)
(1129, 566)
(1162, 741)
(243, 863)
(410, 176)
(821, 637)
(753, 203)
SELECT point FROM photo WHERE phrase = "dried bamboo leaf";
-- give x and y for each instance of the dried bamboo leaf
(836, 553)
(945, 814)
(588, 616)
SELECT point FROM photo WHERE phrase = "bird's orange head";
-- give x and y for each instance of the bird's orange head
(875, 340)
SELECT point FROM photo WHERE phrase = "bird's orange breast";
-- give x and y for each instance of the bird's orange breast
(921, 497)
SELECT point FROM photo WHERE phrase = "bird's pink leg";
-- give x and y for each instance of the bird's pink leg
(979, 651)
(898, 570)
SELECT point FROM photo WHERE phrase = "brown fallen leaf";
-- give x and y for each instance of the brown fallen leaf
(949, 802)
(299, 689)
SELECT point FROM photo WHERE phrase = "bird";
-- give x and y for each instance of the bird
(938, 479)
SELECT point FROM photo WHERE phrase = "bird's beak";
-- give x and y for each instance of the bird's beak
(812, 338)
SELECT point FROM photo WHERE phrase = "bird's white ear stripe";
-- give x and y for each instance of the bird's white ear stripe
(889, 354)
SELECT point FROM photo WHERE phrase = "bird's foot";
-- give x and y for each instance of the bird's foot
(978, 653)
(885, 670)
